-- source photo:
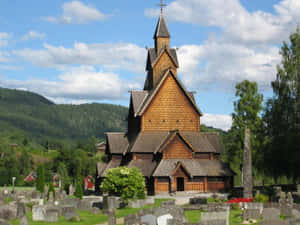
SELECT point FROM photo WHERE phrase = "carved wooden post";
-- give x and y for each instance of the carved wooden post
(247, 166)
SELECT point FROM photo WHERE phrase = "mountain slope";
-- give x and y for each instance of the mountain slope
(40, 119)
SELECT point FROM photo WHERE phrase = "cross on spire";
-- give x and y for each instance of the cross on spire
(162, 5)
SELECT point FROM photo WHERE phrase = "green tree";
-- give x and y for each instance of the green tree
(63, 175)
(40, 179)
(26, 162)
(247, 107)
(79, 192)
(282, 114)
(129, 183)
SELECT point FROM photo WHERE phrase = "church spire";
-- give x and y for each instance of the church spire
(161, 35)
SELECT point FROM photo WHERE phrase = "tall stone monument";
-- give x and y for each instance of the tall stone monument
(247, 166)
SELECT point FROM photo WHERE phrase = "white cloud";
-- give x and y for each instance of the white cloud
(4, 37)
(82, 84)
(237, 24)
(33, 35)
(76, 12)
(118, 56)
(221, 65)
(223, 122)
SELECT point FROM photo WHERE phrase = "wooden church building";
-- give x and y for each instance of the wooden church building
(163, 139)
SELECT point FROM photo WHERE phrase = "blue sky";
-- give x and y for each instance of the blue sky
(94, 51)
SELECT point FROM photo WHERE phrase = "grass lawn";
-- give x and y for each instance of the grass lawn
(88, 218)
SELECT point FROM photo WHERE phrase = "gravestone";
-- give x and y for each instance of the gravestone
(296, 213)
(163, 220)
(5, 190)
(286, 203)
(66, 209)
(209, 216)
(212, 222)
(38, 213)
(112, 217)
(139, 203)
(8, 212)
(4, 222)
(251, 214)
(254, 205)
(51, 215)
(35, 195)
(71, 190)
(271, 214)
(109, 202)
(168, 203)
(21, 209)
(150, 219)
(247, 166)
(274, 222)
(24, 220)
(131, 219)
(94, 210)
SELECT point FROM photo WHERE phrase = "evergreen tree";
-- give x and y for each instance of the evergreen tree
(282, 114)
(247, 107)
(26, 162)
(40, 179)
(79, 192)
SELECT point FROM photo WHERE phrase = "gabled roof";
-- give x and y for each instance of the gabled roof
(117, 142)
(137, 98)
(161, 28)
(153, 56)
(170, 138)
(156, 89)
(146, 166)
(200, 141)
(155, 141)
(103, 168)
(211, 168)
(149, 142)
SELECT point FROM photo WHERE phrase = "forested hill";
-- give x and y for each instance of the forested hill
(41, 120)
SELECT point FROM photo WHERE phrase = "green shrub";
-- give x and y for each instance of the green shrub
(128, 183)
(235, 206)
(211, 199)
(40, 179)
(261, 198)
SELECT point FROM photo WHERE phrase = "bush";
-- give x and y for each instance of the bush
(211, 199)
(261, 198)
(126, 182)
(40, 179)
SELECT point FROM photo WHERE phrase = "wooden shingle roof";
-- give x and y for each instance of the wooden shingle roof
(146, 166)
(117, 142)
(161, 28)
(137, 98)
(105, 167)
(194, 167)
(154, 141)
(153, 93)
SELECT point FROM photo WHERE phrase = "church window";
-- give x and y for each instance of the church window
(162, 179)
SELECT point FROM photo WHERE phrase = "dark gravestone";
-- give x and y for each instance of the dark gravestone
(251, 214)
(247, 166)
(271, 214)
(21, 209)
(198, 201)
(109, 203)
(66, 209)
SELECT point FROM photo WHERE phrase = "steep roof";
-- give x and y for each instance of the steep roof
(149, 142)
(154, 141)
(213, 168)
(117, 142)
(161, 28)
(105, 167)
(137, 98)
(156, 89)
(146, 166)
(153, 56)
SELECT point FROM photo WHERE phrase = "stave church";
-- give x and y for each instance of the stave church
(163, 139)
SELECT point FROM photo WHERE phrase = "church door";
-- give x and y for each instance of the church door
(180, 184)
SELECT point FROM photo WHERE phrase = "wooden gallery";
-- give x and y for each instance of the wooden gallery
(163, 139)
